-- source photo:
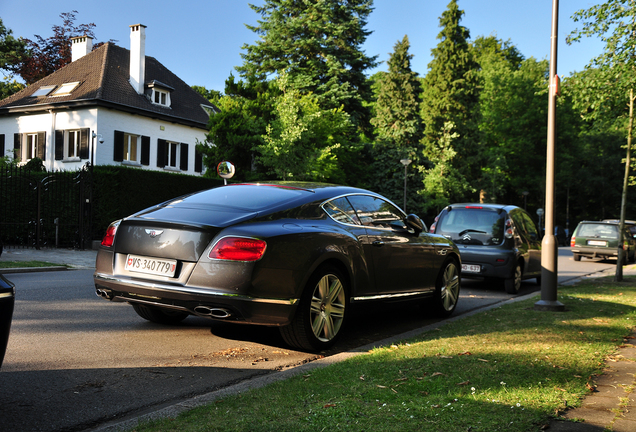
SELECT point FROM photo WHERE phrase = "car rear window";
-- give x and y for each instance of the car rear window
(605, 231)
(248, 197)
(472, 226)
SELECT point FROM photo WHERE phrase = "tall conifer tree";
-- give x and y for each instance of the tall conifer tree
(450, 94)
(318, 44)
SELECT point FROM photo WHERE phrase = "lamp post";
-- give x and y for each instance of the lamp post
(525, 199)
(406, 163)
(101, 140)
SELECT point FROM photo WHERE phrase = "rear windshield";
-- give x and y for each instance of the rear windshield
(248, 197)
(472, 226)
(604, 231)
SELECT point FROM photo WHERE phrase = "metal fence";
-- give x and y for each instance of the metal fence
(45, 209)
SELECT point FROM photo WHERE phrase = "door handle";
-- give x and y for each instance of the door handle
(378, 243)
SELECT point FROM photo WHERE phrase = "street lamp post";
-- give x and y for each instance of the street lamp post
(406, 163)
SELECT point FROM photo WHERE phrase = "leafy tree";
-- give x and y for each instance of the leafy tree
(211, 95)
(615, 23)
(303, 141)
(318, 44)
(45, 56)
(397, 121)
(11, 49)
(450, 95)
(485, 47)
(238, 128)
(9, 87)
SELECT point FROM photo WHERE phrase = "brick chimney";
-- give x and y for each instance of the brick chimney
(138, 57)
(80, 46)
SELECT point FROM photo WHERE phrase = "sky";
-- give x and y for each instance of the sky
(200, 40)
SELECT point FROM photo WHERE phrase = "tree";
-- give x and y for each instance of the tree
(615, 23)
(238, 128)
(11, 51)
(303, 141)
(318, 44)
(45, 56)
(397, 121)
(450, 95)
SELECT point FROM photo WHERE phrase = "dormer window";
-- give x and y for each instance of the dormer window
(159, 93)
(65, 89)
(160, 97)
(43, 91)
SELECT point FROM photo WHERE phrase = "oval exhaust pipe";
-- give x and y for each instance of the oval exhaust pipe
(220, 313)
(103, 293)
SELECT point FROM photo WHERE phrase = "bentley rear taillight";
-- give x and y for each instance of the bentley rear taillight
(238, 249)
(109, 237)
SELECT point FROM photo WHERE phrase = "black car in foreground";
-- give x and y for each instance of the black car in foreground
(495, 241)
(292, 255)
(7, 303)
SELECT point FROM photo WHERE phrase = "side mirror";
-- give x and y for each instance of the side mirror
(415, 223)
(225, 170)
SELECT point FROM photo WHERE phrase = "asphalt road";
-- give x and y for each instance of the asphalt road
(75, 361)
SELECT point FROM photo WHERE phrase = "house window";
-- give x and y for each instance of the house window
(65, 89)
(31, 146)
(130, 147)
(72, 146)
(172, 154)
(160, 97)
(43, 91)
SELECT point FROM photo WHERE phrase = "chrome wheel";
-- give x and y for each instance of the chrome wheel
(449, 290)
(327, 308)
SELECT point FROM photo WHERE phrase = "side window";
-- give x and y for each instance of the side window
(341, 211)
(376, 212)
(530, 227)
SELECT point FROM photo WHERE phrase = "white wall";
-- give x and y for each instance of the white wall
(103, 122)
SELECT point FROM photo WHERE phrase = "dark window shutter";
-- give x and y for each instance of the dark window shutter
(118, 153)
(161, 153)
(198, 161)
(83, 151)
(145, 150)
(59, 144)
(2, 145)
(17, 146)
(41, 148)
(184, 157)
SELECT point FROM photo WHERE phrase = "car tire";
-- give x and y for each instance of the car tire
(159, 316)
(321, 313)
(447, 289)
(576, 257)
(513, 284)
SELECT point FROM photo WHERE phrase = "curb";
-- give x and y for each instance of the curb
(33, 269)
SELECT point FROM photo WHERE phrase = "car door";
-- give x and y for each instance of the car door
(530, 236)
(403, 262)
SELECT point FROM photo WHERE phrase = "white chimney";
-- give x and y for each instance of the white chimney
(80, 46)
(138, 57)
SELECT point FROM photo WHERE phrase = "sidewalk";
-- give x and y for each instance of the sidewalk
(74, 259)
(611, 405)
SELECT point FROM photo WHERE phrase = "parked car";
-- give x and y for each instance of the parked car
(599, 239)
(7, 302)
(495, 241)
(291, 255)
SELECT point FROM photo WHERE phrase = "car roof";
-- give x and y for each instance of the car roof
(491, 206)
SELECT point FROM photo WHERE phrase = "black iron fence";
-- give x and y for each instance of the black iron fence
(45, 209)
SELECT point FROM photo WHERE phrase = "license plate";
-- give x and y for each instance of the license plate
(470, 268)
(596, 243)
(155, 266)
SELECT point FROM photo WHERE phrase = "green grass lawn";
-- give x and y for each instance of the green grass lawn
(508, 369)
(24, 264)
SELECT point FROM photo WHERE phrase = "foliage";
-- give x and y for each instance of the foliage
(12, 50)
(303, 141)
(35, 164)
(46, 55)
(398, 125)
(450, 95)
(9, 87)
(318, 44)
(238, 128)
(211, 95)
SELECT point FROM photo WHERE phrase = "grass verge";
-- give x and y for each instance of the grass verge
(25, 264)
(508, 369)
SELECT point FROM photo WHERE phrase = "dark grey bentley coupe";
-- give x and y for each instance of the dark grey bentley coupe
(292, 255)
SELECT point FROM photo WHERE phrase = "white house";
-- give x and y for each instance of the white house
(108, 106)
